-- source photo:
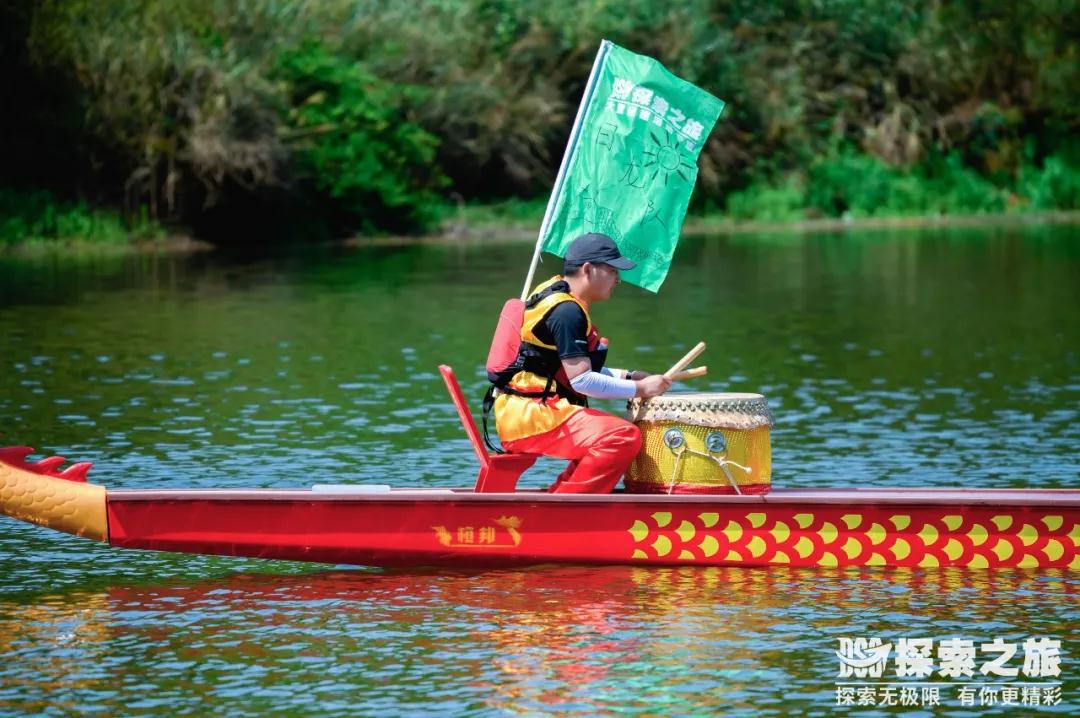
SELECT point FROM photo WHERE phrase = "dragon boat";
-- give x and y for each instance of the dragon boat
(493, 523)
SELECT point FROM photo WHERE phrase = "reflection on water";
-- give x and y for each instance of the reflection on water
(935, 358)
(546, 639)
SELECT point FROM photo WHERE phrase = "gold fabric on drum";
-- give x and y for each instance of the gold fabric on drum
(701, 443)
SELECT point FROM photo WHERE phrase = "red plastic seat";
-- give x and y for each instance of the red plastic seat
(499, 473)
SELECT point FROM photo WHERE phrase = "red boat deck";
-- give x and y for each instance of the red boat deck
(1004, 498)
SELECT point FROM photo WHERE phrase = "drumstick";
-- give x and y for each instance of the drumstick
(690, 373)
(685, 361)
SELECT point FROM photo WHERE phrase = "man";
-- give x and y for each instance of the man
(541, 405)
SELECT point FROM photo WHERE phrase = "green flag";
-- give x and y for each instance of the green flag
(631, 163)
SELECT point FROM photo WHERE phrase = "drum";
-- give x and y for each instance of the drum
(701, 444)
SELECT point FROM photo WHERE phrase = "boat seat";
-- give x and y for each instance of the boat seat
(499, 473)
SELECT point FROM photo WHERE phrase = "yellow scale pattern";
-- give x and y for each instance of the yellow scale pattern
(70, 506)
(1021, 538)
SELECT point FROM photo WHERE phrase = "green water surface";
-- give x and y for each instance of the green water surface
(916, 358)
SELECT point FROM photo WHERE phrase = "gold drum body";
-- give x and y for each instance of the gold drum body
(701, 444)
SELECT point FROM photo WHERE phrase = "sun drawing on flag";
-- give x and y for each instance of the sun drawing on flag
(664, 156)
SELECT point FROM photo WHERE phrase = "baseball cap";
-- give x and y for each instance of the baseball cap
(598, 249)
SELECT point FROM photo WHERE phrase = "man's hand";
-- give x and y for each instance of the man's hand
(652, 385)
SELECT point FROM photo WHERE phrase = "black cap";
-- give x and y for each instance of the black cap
(598, 249)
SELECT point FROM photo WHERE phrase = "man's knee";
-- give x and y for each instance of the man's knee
(627, 436)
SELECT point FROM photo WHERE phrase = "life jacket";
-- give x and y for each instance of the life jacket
(507, 337)
(533, 394)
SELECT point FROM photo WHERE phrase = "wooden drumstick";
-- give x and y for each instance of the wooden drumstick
(685, 361)
(690, 373)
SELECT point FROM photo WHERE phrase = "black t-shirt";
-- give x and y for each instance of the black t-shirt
(567, 328)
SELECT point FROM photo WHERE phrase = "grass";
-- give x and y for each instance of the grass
(847, 185)
(512, 214)
(38, 216)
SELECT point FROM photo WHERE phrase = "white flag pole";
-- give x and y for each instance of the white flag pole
(586, 97)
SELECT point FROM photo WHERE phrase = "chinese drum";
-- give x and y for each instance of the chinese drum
(701, 444)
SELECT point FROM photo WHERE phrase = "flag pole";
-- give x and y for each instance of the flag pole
(561, 176)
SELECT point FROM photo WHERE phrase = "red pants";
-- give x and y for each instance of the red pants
(599, 446)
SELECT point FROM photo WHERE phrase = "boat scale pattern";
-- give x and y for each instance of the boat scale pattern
(870, 536)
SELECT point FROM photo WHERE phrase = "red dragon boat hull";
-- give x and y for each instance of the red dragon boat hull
(379, 526)
(902, 527)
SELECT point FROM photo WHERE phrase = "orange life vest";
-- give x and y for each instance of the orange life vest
(533, 394)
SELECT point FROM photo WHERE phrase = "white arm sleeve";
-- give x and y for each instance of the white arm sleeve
(617, 373)
(602, 386)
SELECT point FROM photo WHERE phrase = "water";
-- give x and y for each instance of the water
(924, 359)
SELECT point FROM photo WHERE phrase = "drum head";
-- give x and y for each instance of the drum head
(717, 409)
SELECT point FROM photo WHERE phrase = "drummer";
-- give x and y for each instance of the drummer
(541, 405)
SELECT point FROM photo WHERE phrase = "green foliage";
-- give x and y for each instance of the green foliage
(901, 81)
(176, 96)
(848, 183)
(761, 201)
(30, 216)
(351, 146)
(1055, 185)
(501, 215)
(851, 184)
(357, 109)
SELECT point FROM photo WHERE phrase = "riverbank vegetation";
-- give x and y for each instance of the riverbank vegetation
(39, 217)
(282, 118)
